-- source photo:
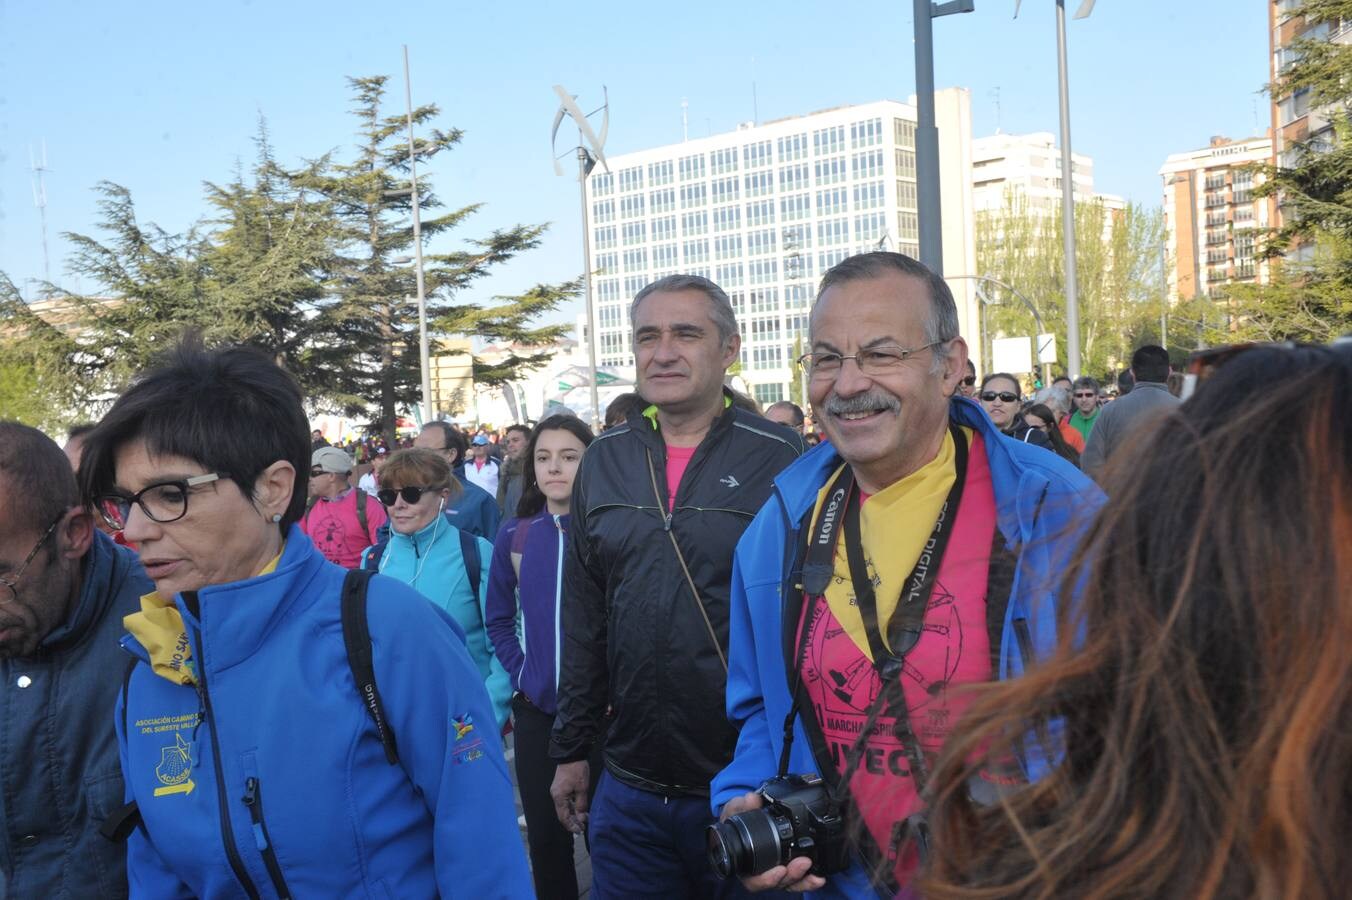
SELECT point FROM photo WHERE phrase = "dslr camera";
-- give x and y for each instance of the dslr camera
(799, 818)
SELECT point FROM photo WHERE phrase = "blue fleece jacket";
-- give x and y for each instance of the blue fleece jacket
(531, 657)
(431, 562)
(269, 777)
(1043, 504)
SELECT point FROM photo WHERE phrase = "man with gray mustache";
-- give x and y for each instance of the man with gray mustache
(915, 552)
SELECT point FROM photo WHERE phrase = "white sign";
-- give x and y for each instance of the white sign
(1013, 355)
(1046, 348)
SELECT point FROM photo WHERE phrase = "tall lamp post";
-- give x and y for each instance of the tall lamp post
(424, 355)
(983, 280)
(927, 132)
(589, 153)
(1067, 184)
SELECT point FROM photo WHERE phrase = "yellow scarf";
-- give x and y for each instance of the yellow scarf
(894, 523)
(159, 629)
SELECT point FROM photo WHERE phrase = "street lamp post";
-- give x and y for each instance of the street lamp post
(1068, 200)
(424, 354)
(590, 151)
(927, 131)
(1037, 317)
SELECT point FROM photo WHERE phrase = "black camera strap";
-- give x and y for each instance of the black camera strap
(841, 512)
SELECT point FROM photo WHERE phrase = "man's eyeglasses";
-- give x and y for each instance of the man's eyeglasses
(12, 582)
(316, 472)
(877, 361)
(411, 495)
(163, 501)
(1086, 395)
(1002, 396)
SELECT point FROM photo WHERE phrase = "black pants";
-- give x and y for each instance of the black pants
(551, 845)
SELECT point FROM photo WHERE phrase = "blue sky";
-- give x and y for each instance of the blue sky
(160, 96)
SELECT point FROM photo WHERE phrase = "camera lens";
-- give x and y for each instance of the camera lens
(749, 843)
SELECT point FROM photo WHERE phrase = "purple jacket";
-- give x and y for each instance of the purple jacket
(530, 655)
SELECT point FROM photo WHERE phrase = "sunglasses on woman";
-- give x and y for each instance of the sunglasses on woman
(1002, 396)
(411, 495)
(968, 380)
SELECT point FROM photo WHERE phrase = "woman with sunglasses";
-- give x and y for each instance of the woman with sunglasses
(428, 553)
(525, 587)
(253, 765)
(1201, 698)
(1000, 399)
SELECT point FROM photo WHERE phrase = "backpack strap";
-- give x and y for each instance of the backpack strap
(518, 547)
(371, 557)
(361, 512)
(469, 552)
(121, 821)
(360, 659)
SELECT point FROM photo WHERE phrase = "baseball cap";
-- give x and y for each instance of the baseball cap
(479, 440)
(331, 459)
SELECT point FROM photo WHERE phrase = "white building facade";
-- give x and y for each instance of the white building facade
(1029, 166)
(764, 211)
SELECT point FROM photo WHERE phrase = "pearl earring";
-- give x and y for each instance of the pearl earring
(276, 518)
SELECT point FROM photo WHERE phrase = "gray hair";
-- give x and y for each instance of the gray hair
(721, 312)
(1056, 398)
(941, 322)
(1086, 383)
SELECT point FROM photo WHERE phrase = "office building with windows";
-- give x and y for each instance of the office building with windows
(764, 211)
(1211, 216)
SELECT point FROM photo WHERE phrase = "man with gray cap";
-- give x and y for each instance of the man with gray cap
(341, 521)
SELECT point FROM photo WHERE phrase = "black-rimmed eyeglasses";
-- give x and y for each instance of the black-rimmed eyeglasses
(12, 582)
(163, 501)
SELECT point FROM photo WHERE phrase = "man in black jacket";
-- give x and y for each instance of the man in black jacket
(658, 505)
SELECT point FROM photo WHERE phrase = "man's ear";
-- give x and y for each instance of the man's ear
(75, 534)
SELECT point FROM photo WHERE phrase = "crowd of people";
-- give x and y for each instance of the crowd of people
(945, 638)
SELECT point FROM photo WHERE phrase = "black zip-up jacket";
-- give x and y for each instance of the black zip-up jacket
(632, 636)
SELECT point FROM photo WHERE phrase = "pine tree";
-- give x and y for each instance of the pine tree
(370, 360)
(1308, 296)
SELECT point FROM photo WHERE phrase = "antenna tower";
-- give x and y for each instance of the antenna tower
(39, 169)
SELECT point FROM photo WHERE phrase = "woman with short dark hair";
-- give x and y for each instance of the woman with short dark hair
(256, 766)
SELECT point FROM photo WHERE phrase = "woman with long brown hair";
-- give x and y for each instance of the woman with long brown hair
(1200, 706)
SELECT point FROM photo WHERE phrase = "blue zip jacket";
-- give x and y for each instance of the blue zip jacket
(269, 778)
(431, 562)
(1043, 505)
(531, 659)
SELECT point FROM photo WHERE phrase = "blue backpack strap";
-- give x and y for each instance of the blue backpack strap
(370, 558)
(360, 659)
(469, 552)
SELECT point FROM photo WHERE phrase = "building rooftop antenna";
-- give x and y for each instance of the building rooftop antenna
(39, 170)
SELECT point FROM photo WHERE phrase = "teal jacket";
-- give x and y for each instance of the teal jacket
(268, 778)
(430, 561)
